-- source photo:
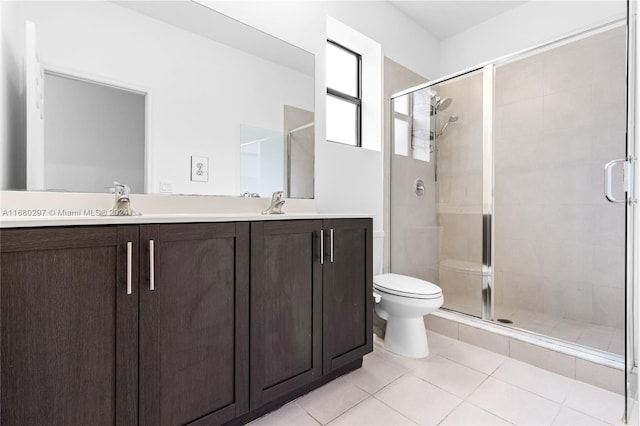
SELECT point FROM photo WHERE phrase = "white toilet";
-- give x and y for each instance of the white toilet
(403, 301)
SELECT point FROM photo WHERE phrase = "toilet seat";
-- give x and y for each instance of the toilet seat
(401, 285)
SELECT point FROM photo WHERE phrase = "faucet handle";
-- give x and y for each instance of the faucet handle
(121, 189)
(277, 196)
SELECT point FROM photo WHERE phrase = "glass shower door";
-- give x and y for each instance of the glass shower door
(458, 152)
(437, 190)
(559, 244)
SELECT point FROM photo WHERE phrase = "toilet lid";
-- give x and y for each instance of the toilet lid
(402, 285)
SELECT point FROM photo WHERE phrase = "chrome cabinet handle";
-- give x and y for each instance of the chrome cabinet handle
(152, 275)
(129, 257)
(322, 246)
(331, 237)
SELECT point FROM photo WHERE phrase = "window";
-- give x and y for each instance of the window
(344, 95)
(401, 108)
(412, 124)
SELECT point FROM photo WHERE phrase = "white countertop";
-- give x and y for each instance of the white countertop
(78, 220)
(30, 209)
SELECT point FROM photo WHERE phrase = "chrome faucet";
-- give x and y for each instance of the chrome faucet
(247, 194)
(122, 205)
(277, 201)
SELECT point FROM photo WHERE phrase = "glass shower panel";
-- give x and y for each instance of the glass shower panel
(559, 245)
(457, 124)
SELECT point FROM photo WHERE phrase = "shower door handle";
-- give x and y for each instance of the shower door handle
(608, 178)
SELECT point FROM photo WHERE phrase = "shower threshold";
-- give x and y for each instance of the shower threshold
(512, 333)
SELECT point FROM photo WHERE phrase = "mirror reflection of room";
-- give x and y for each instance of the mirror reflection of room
(197, 77)
(93, 131)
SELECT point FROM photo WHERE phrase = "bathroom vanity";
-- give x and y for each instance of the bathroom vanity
(152, 322)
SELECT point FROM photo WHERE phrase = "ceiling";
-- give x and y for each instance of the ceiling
(444, 18)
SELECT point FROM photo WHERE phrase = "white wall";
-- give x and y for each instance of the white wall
(348, 179)
(12, 171)
(533, 23)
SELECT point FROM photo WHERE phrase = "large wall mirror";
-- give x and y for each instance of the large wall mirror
(166, 96)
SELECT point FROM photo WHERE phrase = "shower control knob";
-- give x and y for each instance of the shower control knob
(419, 187)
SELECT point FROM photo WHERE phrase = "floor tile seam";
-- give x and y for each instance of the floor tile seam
(295, 401)
(487, 411)
(448, 391)
(462, 401)
(397, 365)
(475, 369)
(531, 392)
(592, 416)
(463, 365)
(558, 407)
(339, 414)
(385, 386)
(311, 415)
(466, 398)
(397, 411)
(558, 410)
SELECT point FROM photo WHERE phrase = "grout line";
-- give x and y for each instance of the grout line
(339, 414)
(295, 401)
(310, 415)
(403, 415)
(535, 393)
(487, 411)
(451, 412)
(390, 383)
(447, 391)
(505, 357)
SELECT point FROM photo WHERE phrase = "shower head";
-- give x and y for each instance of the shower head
(452, 119)
(441, 104)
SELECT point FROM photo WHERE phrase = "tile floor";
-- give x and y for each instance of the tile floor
(604, 338)
(458, 384)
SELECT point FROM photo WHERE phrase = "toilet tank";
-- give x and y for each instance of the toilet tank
(378, 252)
(379, 325)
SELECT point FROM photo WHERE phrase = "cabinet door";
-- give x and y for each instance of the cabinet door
(69, 330)
(347, 292)
(285, 308)
(194, 323)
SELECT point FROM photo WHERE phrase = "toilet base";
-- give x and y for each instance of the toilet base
(406, 337)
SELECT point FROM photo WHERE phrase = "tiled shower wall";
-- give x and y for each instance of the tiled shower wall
(414, 245)
(559, 245)
(413, 220)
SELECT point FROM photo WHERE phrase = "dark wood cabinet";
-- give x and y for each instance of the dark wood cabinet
(69, 330)
(347, 292)
(175, 324)
(194, 340)
(311, 301)
(286, 308)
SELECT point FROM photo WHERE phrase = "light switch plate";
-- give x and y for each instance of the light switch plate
(199, 169)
